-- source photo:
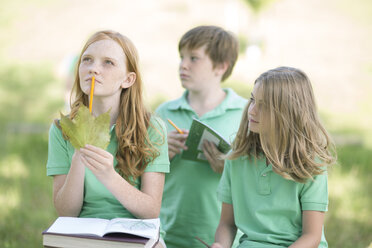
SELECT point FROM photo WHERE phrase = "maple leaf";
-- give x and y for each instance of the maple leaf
(87, 129)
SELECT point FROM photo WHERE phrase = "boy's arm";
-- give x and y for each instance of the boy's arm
(176, 143)
(312, 224)
(226, 229)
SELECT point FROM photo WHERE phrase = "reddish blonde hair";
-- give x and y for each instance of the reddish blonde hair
(135, 150)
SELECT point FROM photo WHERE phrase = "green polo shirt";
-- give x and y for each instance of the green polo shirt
(99, 202)
(190, 207)
(267, 207)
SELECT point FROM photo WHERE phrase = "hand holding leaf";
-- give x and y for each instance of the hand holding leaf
(87, 129)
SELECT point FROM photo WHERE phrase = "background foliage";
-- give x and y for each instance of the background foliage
(31, 96)
(26, 206)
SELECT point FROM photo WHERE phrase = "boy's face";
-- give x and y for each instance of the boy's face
(196, 70)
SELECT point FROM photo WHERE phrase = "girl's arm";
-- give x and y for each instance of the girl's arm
(226, 229)
(68, 190)
(144, 203)
(312, 224)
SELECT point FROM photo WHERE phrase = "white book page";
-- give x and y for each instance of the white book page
(208, 136)
(73, 225)
(148, 228)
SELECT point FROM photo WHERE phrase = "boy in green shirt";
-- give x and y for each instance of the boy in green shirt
(190, 207)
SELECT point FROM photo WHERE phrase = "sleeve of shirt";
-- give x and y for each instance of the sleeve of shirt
(314, 194)
(160, 111)
(158, 137)
(224, 187)
(58, 160)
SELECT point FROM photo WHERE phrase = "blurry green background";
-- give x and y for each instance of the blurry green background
(330, 40)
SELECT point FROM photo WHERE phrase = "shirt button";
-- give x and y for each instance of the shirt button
(264, 175)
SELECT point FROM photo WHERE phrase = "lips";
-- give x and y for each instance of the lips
(90, 80)
(184, 76)
(251, 120)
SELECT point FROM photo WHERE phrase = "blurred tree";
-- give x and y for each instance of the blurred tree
(257, 5)
(252, 40)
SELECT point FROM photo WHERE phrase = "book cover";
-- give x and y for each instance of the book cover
(71, 232)
(199, 132)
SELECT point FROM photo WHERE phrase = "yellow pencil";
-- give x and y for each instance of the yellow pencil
(91, 95)
(178, 130)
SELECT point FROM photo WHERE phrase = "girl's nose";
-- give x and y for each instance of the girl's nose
(94, 68)
(252, 110)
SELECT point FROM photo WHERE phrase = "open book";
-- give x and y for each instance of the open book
(71, 232)
(199, 132)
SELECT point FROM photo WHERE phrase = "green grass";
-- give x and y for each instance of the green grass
(348, 221)
(29, 102)
(26, 206)
(27, 106)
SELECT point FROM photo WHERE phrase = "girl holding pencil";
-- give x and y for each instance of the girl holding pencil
(125, 180)
(274, 185)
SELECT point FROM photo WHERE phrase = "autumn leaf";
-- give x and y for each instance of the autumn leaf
(87, 129)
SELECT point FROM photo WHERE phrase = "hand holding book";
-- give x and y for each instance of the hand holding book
(200, 132)
(213, 156)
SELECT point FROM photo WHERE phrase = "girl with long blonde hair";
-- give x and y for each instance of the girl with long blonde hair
(274, 185)
(126, 179)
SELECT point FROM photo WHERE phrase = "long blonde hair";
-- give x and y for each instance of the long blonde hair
(135, 150)
(294, 141)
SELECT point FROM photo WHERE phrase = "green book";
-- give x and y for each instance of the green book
(199, 132)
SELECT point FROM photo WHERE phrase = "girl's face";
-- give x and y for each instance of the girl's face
(255, 110)
(106, 61)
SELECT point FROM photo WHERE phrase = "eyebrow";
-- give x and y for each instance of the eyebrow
(191, 53)
(110, 58)
(194, 52)
(89, 55)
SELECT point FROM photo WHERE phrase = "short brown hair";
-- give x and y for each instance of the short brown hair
(222, 45)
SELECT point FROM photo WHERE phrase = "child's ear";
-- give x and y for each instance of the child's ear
(221, 68)
(129, 80)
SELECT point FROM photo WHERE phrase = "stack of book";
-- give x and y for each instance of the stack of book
(72, 232)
